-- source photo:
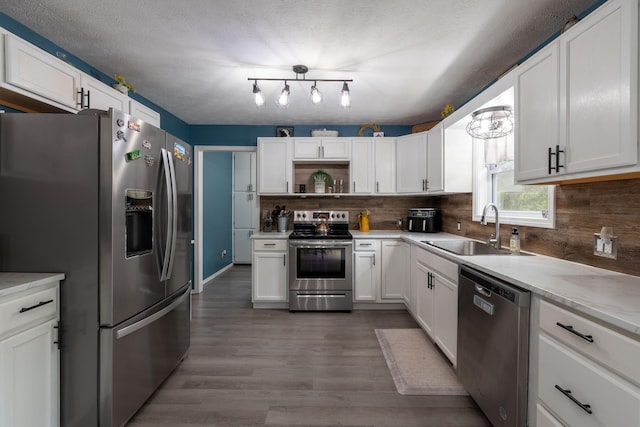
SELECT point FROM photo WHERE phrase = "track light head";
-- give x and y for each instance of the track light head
(283, 99)
(345, 99)
(257, 95)
(316, 95)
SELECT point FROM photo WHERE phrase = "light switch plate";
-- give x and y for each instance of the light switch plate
(604, 248)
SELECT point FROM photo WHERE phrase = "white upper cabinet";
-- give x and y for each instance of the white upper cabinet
(435, 159)
(41, 75)
(362, 165)
(411, 163)
(244, 171)
(143, 112)
(592, 74)
(98, 95)
(321, 148)
(598, 89)
(537, 114)
(385, 165)
(274, 166)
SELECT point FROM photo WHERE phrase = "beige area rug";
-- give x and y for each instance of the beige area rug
(416, 365)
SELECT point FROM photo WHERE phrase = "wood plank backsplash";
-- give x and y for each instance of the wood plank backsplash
(581, 210)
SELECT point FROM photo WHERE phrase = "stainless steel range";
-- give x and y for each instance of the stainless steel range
(320, 262)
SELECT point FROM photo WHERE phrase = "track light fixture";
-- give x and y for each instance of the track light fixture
(315, 94)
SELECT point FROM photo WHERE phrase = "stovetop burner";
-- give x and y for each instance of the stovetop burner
(311, 234)
(305, 222)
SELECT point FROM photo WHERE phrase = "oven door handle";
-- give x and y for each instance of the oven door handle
(315, 245)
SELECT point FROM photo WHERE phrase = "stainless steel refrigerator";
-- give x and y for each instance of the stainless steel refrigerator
(106, 199)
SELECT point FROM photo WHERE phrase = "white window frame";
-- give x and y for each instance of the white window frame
(482, 190)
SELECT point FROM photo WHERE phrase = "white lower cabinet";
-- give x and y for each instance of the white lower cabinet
(396, 281)
(29, 357)
(381, 270)
(269, 270)
(434, 282)
(585, 373)
(366, 270)
(29, 372)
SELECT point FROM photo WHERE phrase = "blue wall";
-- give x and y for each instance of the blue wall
(216, 206)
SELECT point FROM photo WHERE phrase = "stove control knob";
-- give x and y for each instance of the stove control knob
(304, 215)
(344, 216)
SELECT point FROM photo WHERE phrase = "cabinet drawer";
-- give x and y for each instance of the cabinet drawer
(270, 244)
(612, 400)
(614, 350)
(28, 309)
(365, 244)
(544, 418)
(437, 263)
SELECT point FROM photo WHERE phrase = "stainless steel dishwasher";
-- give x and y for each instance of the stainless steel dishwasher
(493, 345)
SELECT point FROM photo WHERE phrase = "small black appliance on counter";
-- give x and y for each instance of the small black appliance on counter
(424, 220)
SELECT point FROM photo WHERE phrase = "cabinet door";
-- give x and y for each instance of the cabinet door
(445, 317)
(385, 165)
(274, 166)
(101, 96)
(395, 270)
(242, 245)
(599, 91)
(270, 276)
(145, 113)
(245, 210)
(537, 114)
(366, 276)
(34, 70)
(411, 163)
(424, 297)
(29, 378)
(306, 148)
(244, 171)
(361, 165)
(337, 148)
(435, 159)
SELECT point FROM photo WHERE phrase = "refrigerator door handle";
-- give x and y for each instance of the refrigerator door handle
(128, 330)
(166, 258)
(173, 215)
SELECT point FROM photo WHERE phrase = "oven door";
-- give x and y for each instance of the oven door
(320, 265)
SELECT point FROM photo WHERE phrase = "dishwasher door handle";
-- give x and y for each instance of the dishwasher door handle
(484, 291)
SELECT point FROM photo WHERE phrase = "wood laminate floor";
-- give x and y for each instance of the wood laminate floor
(275, 368)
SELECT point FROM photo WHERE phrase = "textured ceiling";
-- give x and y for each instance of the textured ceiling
(408, 58)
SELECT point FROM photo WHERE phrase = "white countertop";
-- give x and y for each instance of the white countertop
(16, 282)
(606, 295)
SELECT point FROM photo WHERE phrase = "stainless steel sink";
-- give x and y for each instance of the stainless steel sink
(466, 247)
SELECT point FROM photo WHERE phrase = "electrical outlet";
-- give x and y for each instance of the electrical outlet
(459, 226)
(223, 253)
(606, 247)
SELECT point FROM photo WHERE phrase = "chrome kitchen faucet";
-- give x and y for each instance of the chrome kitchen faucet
(492, 241)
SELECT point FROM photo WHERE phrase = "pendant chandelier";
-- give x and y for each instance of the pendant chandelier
(315, 95)
(491, 122)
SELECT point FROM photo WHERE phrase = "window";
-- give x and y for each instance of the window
(527, 205)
